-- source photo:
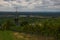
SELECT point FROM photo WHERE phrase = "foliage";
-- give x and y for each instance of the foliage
(48, 27)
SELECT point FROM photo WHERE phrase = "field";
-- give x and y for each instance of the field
(30, 29)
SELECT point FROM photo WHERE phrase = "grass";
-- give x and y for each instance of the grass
(10, 35)
(6, 35)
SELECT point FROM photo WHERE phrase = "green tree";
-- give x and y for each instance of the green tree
(6, 25)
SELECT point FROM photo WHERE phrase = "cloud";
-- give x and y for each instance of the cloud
(30, 4)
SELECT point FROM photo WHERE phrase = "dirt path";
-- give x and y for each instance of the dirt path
(23, 36)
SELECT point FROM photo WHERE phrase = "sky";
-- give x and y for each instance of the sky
(30, 5)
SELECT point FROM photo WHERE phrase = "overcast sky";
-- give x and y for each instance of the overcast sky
(30, 5)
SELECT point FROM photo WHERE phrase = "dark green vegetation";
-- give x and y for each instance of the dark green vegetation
(34, 26)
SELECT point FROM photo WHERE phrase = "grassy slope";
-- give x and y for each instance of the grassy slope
(9, 35)
(6, 35)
